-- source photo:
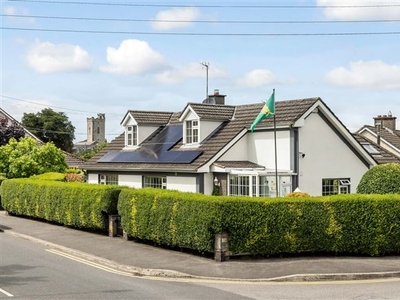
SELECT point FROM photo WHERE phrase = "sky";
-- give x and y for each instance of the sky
(104, 56)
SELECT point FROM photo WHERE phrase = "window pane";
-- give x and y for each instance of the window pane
(239, 185)
(155, 182)
(134, 137)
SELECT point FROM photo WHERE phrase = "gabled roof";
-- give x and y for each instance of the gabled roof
(234, 127)
(390, 136)
(149, 117)
(212, 111)
(380, 154)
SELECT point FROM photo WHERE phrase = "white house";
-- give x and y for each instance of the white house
(210, 145)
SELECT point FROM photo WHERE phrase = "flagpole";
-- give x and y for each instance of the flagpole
(276, 156)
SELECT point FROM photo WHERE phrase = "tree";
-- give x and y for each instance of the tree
(27, 157)
(51, 126)
(381, 179)
(8, 131)
(88, 154)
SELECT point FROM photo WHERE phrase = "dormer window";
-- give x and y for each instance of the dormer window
(192, 132)
(131, 136)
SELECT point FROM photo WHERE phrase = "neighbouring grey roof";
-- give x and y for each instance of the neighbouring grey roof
(73, 161)
(244, 164)
(391, 136)
(378, 153)
(151, 117)
(287, 113)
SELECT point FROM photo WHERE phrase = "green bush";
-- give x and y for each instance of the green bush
(381, 179)
(49, 176)
(74, 204)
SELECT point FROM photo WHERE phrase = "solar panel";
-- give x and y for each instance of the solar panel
(156, 150)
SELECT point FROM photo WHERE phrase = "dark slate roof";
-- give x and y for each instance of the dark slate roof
(151, 117)
(213, 111)
(237, 164)
(392, 137)
(287, 113)
(378, 153)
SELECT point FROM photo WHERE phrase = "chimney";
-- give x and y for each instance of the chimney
(218, 99)
(387, 121)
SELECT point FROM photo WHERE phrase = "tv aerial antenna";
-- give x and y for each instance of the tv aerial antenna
(206, 66)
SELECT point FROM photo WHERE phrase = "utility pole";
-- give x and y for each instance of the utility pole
(206, 65)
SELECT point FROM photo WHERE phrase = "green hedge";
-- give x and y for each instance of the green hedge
(353, 224)
(170, 218)
(2, 178)
(344, 224)
(74, 204)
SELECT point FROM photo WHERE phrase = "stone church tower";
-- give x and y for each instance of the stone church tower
(96, 129)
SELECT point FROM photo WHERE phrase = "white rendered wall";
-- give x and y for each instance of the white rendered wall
(237, 152)
(93, 178)
(183, 184)
(261, 149)
(134, 181)
(326, 156)
(144, 132)
(206, 127)
(208, 183)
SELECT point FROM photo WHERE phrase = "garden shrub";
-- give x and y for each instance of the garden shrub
(49, 176)
(74, 204)
(381, 179)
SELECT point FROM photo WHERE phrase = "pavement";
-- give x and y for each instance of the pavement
(137, 259)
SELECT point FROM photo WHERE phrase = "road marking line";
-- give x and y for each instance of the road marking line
(89, 263)
(6, 293)
(219, 281)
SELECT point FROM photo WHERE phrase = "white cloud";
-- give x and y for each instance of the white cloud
(45, 57)
(178, 15)
(373, 74)
(192, 70)
(132, 56)
(257, 78)
(11, 11)
(361, 13)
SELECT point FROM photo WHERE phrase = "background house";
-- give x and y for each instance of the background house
(71, 160)
(208, 147)
(382, 139)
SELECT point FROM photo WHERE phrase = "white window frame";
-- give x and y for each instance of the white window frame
(258, 185)
(338, 186)
(131, 136)
(157, 182)
(108, 179)
(192, 132)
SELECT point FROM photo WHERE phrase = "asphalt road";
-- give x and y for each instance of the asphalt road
(34, 271)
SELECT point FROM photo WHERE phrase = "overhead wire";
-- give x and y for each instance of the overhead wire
(208, 6)
(200, 34)
(202, 21)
